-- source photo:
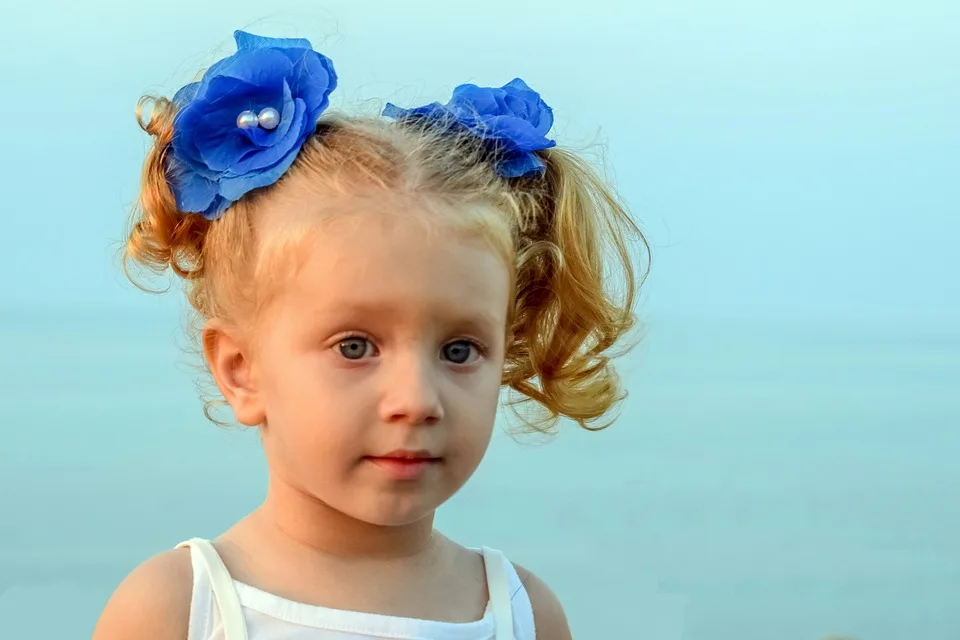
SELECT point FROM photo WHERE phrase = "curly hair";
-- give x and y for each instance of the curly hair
(566, 236)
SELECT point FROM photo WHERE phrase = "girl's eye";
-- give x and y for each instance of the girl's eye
(355, 348)
(460, 352)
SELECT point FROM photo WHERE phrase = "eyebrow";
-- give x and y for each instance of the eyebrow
(472, 318)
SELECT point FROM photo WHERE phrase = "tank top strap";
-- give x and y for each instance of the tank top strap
(498, 586)
(221, 583)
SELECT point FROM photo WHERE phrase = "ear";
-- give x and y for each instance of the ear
(234, 372)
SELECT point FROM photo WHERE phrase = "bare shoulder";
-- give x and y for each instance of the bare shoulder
(152, 603)
(548, 614)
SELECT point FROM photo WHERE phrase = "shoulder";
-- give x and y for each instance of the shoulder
(156, 596)
(548, 614)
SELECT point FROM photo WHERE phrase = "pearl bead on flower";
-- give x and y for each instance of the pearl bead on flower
(268, 119)
(247, 120)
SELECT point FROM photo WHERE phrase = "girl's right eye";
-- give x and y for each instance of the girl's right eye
(355, 348)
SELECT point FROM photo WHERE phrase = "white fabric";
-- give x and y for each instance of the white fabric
(205, 557)
(499, 590)
(222, 608)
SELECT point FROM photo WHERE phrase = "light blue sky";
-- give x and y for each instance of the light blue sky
(792, 162)
(795, 159)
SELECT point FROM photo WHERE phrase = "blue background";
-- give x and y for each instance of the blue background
(785, 464)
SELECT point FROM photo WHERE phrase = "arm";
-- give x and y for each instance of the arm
(152, 603)
(548, 615)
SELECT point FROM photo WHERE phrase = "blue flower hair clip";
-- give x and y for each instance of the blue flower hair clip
(241, 126)
(513, 118)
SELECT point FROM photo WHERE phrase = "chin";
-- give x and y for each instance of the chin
(396, 517)
(393, 512)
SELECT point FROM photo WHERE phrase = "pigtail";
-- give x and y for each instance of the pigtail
(160, 236)
(568, 316)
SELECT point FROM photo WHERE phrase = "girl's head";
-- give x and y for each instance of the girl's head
(371, 303)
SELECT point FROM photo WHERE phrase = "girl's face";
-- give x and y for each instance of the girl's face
(378, 365)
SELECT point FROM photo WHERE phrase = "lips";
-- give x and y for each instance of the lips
(407, 454)
(403, 464)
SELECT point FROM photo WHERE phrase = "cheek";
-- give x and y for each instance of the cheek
(307, 403)
(288, 383)
(312, 431)
(476, 407)
(293, 380)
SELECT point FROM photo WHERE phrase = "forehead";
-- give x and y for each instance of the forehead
(385, 255)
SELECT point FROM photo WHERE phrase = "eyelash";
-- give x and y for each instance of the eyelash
(481, 349)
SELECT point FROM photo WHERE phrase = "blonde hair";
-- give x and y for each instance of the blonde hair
(558, 232)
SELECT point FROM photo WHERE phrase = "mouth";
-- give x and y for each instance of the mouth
(405, 464)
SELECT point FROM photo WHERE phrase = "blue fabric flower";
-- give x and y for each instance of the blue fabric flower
(513, 118)
(214, 161)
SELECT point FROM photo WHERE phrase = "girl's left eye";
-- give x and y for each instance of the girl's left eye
(460, 352)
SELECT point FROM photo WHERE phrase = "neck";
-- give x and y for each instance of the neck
(294, 517)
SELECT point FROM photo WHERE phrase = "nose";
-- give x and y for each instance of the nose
(411, 393)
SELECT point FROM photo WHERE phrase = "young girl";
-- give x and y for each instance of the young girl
(367, 286)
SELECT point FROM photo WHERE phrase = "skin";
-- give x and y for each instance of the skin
(357, 356)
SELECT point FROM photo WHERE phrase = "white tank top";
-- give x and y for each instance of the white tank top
(222, 608)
